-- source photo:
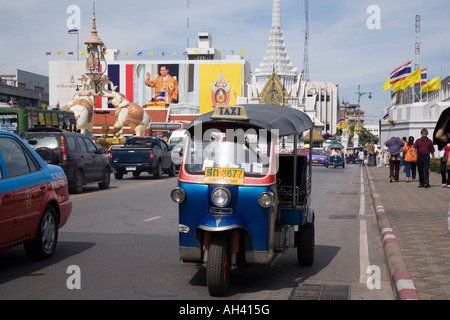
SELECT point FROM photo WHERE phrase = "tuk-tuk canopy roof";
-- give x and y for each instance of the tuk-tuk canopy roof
(286, 120)
(336, 146)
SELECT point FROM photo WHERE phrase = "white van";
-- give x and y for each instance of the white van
(177, 137)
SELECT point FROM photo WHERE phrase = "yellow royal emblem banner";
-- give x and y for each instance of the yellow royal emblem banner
(210, 74)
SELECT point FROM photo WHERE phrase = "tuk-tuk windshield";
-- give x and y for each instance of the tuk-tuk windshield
(230, 149)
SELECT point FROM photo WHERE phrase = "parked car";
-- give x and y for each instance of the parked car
(82, 161)
(319, 156)
(143, 154)
(34, 199)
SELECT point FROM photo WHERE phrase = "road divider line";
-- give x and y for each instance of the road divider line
(150, 219)
(364, 260)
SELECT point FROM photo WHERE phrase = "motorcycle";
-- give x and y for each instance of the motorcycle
(336, 156)
(240, 202)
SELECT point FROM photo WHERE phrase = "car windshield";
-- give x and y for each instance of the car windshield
(318, 152)
(247, 151)
(35, 142)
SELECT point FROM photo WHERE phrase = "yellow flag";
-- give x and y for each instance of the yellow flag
(398, 86)
(433, 84)
(82, 53)
(242, 51)
(128, 53)
(411, 79)
(150, 53)
(174, 53)
(387, 84)
(59, 52)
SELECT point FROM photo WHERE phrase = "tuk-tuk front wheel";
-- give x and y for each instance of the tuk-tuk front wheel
(305, 245)
(218, 266)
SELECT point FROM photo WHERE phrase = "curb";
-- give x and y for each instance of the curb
(402, 282)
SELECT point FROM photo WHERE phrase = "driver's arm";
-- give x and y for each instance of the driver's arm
(440, 133)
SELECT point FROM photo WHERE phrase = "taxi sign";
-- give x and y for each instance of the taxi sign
(230, 113)
(233, 176)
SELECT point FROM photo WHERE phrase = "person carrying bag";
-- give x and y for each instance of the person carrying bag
(410, 158)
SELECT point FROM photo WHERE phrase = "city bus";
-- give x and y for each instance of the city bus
(165, 129)
(20, 119)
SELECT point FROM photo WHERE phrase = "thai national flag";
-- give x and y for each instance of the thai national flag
(386, 116)
(121, 74)
(423, 78)
(73, 31)
(400, 73)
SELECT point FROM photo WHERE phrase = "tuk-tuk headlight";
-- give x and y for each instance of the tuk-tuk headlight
(178, 195)
(265, 199)
(220, 197)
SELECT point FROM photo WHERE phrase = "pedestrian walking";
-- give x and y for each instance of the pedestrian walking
(361, 158)
(410, 159)
(372, 155)
(445, 168)
(402, 156)
(442, 136)
(395, 146)
(424, 147)
(378, 155)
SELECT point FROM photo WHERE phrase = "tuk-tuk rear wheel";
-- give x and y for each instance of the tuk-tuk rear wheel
(305, 245)
(218, 266)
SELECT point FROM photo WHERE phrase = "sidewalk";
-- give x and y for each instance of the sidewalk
(413, 227)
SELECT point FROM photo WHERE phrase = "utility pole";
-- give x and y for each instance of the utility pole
(305, 75)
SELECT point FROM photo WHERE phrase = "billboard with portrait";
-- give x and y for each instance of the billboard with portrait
(189, 87)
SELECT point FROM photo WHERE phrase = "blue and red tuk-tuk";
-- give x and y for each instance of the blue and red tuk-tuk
(240, 202)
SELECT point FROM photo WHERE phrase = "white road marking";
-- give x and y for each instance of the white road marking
(153, 218)
(364, 261)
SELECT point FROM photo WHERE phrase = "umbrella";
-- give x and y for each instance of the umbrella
(444, 115)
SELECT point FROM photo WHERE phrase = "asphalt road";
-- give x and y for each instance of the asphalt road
(122, 243)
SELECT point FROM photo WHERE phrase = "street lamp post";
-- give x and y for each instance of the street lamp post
(359, 93)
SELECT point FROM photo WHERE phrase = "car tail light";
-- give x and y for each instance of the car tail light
(151, 154)
(65, 158)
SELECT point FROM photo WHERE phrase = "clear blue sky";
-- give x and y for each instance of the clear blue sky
(342, 49)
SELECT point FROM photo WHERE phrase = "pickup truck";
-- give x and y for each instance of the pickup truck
(139, 154)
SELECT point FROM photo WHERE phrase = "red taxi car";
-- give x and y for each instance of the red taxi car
(34, 199)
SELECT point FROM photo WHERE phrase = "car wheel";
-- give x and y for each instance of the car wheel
(172, 170)
(77, 185)
(218, 266)
(106, 179)
(118, 175)
(158, 171)
(136, 174)
(305, 244)
(44, 242)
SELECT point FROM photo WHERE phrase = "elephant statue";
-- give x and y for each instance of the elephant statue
(128, 113)
(82, 105)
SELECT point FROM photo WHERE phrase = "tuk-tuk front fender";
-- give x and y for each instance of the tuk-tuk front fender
(217, 223)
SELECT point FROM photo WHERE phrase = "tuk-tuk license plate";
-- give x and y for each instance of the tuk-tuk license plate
(224, 176)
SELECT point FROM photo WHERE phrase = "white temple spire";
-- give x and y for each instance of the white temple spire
(276, 59)
(276, 15)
